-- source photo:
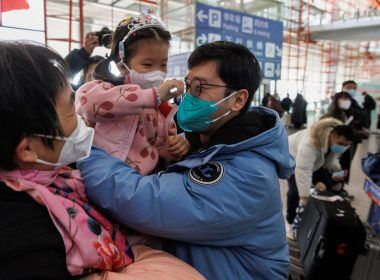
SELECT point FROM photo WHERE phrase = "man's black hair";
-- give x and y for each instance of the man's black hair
(345, 131)
(237, 66)
(349, 82)
(32, 77)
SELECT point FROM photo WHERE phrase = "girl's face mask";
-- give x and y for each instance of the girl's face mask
(146, 80)
(195, 114)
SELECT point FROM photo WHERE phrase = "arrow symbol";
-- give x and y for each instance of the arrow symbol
(278, 70)
(278, 51)
(201, 16)
(201, 39)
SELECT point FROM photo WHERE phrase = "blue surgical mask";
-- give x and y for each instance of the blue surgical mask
(338, 149)
(352, 92)
(195, 114)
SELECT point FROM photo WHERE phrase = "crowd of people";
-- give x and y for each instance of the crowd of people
(97, 182)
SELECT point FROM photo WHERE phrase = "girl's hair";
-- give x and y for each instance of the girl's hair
(32, 78)
(131, 46)
(132, 43)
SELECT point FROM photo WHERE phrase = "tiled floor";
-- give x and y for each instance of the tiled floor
(361, 201)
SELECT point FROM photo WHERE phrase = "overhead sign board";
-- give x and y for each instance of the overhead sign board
(261, 36)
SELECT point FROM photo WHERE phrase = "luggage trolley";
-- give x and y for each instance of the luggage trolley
(373, 191)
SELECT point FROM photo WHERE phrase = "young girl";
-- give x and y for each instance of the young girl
(131, 117)
(49, 230)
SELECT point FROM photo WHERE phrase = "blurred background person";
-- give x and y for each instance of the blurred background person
(378, 112)
(275, 104)
(286, 103)
(298, 116)
(78, 59)
(265, 100)
(369, 105)
(351, 87)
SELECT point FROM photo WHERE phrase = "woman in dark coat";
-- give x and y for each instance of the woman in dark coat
(298, 117)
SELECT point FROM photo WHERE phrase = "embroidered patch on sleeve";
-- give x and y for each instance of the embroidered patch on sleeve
(208, 174)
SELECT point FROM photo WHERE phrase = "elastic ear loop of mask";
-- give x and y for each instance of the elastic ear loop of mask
(220, 101)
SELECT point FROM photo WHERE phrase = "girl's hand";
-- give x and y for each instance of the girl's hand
(165, 87)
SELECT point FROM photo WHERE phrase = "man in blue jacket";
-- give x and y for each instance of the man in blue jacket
(220, 207)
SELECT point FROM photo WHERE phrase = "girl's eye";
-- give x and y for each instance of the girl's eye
(147, 65)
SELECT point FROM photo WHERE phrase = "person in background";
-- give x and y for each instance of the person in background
(351, 87)
(286, 103)
(299, 116)
(369, 105)
(275, 104)
(265, 100)
(78, 59)
(220, 207)
(345, 109)
(316, 151)
(378, 112)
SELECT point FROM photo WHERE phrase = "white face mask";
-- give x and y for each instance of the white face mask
(344, 104)
(146, 80)
(76, 147)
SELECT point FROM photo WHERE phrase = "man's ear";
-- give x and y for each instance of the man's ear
(240, 100)
(24, 153)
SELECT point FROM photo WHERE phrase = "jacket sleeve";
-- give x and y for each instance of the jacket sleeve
(306, 157)
(99, 101)
(77, 60)
(166, 205)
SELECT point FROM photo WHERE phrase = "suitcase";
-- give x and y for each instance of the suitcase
(367, 266)
(330, 237)
(296, 268)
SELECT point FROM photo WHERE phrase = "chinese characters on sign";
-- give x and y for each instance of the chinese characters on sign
(261, 36)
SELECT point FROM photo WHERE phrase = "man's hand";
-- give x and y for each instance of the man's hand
(91, 41)
(178, 146)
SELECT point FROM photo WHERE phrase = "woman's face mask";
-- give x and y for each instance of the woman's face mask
(338, 149)
(77, 146)
(195, 114)
(344, 104)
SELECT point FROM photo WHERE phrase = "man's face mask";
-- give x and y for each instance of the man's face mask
(77, 146)
(352, 92)
(195, 114)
